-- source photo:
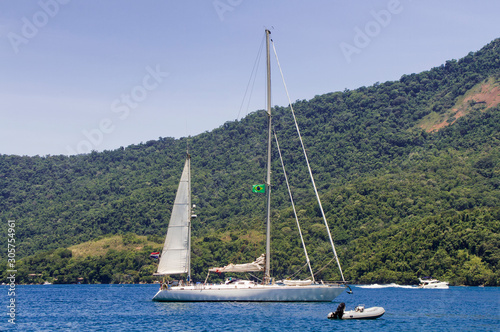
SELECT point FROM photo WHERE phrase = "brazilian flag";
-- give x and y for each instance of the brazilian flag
(259, 188)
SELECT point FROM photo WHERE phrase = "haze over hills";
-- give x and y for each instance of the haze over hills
(408, 172)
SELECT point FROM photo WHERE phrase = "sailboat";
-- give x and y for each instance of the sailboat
(176, 254)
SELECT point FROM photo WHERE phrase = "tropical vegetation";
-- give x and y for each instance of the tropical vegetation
(408, 172)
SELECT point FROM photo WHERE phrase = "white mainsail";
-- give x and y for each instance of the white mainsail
(176, 252)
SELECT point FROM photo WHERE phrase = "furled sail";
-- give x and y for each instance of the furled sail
(175, 256)
(257, 265)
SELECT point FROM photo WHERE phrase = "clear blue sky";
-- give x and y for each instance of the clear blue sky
(96, 75)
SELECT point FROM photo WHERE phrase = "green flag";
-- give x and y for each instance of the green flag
(259, 188)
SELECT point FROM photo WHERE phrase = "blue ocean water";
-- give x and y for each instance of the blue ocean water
(129, 308)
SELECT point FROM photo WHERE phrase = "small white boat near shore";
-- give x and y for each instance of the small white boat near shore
(433, 283)
(360, 312)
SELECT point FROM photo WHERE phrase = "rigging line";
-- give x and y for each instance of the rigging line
(255, 276)
(293, 205)
(324, 267)
(309, 167)
(254, 76)
(298, 271)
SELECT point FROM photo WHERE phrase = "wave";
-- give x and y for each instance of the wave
(386, 286)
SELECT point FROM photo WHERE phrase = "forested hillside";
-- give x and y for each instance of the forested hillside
(408, 172)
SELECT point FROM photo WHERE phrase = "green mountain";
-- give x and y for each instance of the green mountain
(408, 172)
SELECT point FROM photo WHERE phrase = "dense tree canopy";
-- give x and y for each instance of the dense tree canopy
(401, 201)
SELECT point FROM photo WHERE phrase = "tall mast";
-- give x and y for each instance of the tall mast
(188, 158)
(268, 181)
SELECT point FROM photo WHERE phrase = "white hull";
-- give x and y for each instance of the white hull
(433, 283)
(252, 293)
(368, 313)
(436, 286)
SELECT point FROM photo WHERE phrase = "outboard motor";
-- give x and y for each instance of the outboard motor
(339, 312)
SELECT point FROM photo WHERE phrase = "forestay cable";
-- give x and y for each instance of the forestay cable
(308, 166)
(293, 206)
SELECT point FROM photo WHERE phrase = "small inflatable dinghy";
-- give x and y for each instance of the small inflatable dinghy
(360, 312)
